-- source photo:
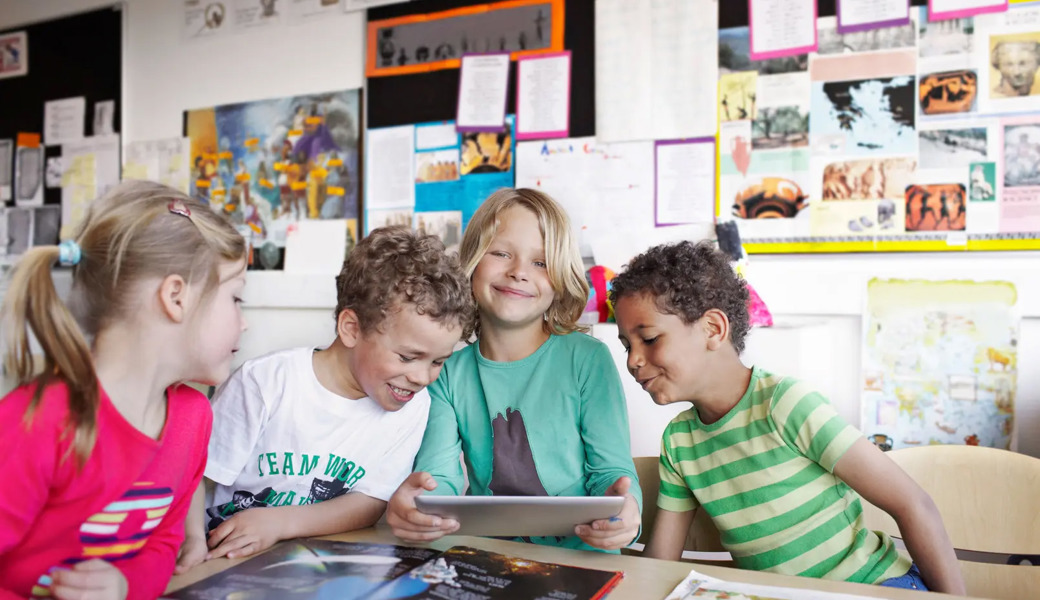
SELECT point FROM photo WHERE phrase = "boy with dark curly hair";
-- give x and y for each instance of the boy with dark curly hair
(777, 470)
(320, 438)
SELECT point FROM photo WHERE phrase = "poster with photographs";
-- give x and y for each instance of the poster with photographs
(924, 136)
(453, 174)
(14, 54)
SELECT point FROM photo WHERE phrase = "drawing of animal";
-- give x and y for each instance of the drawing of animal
(996, 357)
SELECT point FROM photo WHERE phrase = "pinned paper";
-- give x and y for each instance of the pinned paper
(543, 91)
(483, 83)
(63, 120)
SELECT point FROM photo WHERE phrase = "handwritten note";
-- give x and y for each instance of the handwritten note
(652, 59)
(543, 96)
(63, 120)
(483, 83)
(684, 173)
(781, 27)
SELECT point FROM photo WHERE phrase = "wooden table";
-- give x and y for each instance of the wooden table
(645, 578)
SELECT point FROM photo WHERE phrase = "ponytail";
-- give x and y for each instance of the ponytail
(32, 302)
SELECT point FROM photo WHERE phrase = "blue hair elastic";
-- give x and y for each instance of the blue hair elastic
(69, 253)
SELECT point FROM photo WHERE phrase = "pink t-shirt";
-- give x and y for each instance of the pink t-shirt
(127, 505)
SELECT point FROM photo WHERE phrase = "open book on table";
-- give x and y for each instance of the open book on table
(324, 569)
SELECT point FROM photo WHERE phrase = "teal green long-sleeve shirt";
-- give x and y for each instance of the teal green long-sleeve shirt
(552, 424)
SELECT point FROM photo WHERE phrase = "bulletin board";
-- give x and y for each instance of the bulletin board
(898, 139)
(78, 55)
(430, 95)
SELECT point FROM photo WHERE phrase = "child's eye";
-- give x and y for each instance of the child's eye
(406, 359)
(499, 254)
(650, 341)
(238, 300)
(540, 264)
(438, 363)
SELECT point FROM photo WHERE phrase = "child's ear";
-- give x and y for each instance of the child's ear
(716, 326)
(348, 328)
(173, 297)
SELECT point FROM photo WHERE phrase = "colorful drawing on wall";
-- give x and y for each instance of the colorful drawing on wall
(936, 207)
(780, 127)
(940, 362)
(428, 42)
(1022, 155)
(948, 92)
(14, 54)
(737, 93)
(269, 163)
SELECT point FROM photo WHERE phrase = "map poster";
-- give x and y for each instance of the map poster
(940, 360)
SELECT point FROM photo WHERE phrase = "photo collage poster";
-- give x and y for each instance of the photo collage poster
(923, 136)
(453, 173)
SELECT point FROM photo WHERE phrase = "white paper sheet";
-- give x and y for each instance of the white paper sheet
(204, 18)
(543, 96)
(63, 120)
(659, 89)
(429, 137)
(28, 175)
(6, 161)
(352, 5)
(252, 14)
(854, 13)
(104, 115)
(91, 169)
(697, 585)
(300, 10)
(167, 161)
(483, 82)
(607, 190)
(390, 168)
(780, 27)
(316, 246)
(946, 6)
(685, 191)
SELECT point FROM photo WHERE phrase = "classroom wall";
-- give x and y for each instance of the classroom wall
(817, 300)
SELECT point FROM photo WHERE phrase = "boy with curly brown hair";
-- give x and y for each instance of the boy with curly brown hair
(322, 437)
(778, 471)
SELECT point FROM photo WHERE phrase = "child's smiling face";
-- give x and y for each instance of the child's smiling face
(665, 356)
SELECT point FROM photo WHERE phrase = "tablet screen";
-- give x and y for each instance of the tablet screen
(520, 515)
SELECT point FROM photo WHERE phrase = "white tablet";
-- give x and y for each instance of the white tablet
(520, 515)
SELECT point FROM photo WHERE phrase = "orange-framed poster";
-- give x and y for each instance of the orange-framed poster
(434, 41)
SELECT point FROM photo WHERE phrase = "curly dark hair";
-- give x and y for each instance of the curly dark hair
(394, 265)
(687, 280)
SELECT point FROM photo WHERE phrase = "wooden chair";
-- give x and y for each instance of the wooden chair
(702, 537)
(988, 500)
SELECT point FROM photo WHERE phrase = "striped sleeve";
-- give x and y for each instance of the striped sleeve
(808, 422)
(674, 494)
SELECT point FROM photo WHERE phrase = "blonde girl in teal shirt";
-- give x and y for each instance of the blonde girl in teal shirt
(535, 406)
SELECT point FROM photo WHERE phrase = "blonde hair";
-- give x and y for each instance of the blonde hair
(563, 261)
(128, 235)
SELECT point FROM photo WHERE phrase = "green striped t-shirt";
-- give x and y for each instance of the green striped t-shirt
(764, 473)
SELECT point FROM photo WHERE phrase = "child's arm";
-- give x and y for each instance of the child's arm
(193, 550)
(441, 443)
(250, 531)
(669, 534)
(881, 482)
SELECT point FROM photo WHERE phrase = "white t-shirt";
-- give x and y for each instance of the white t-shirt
(280, 438)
